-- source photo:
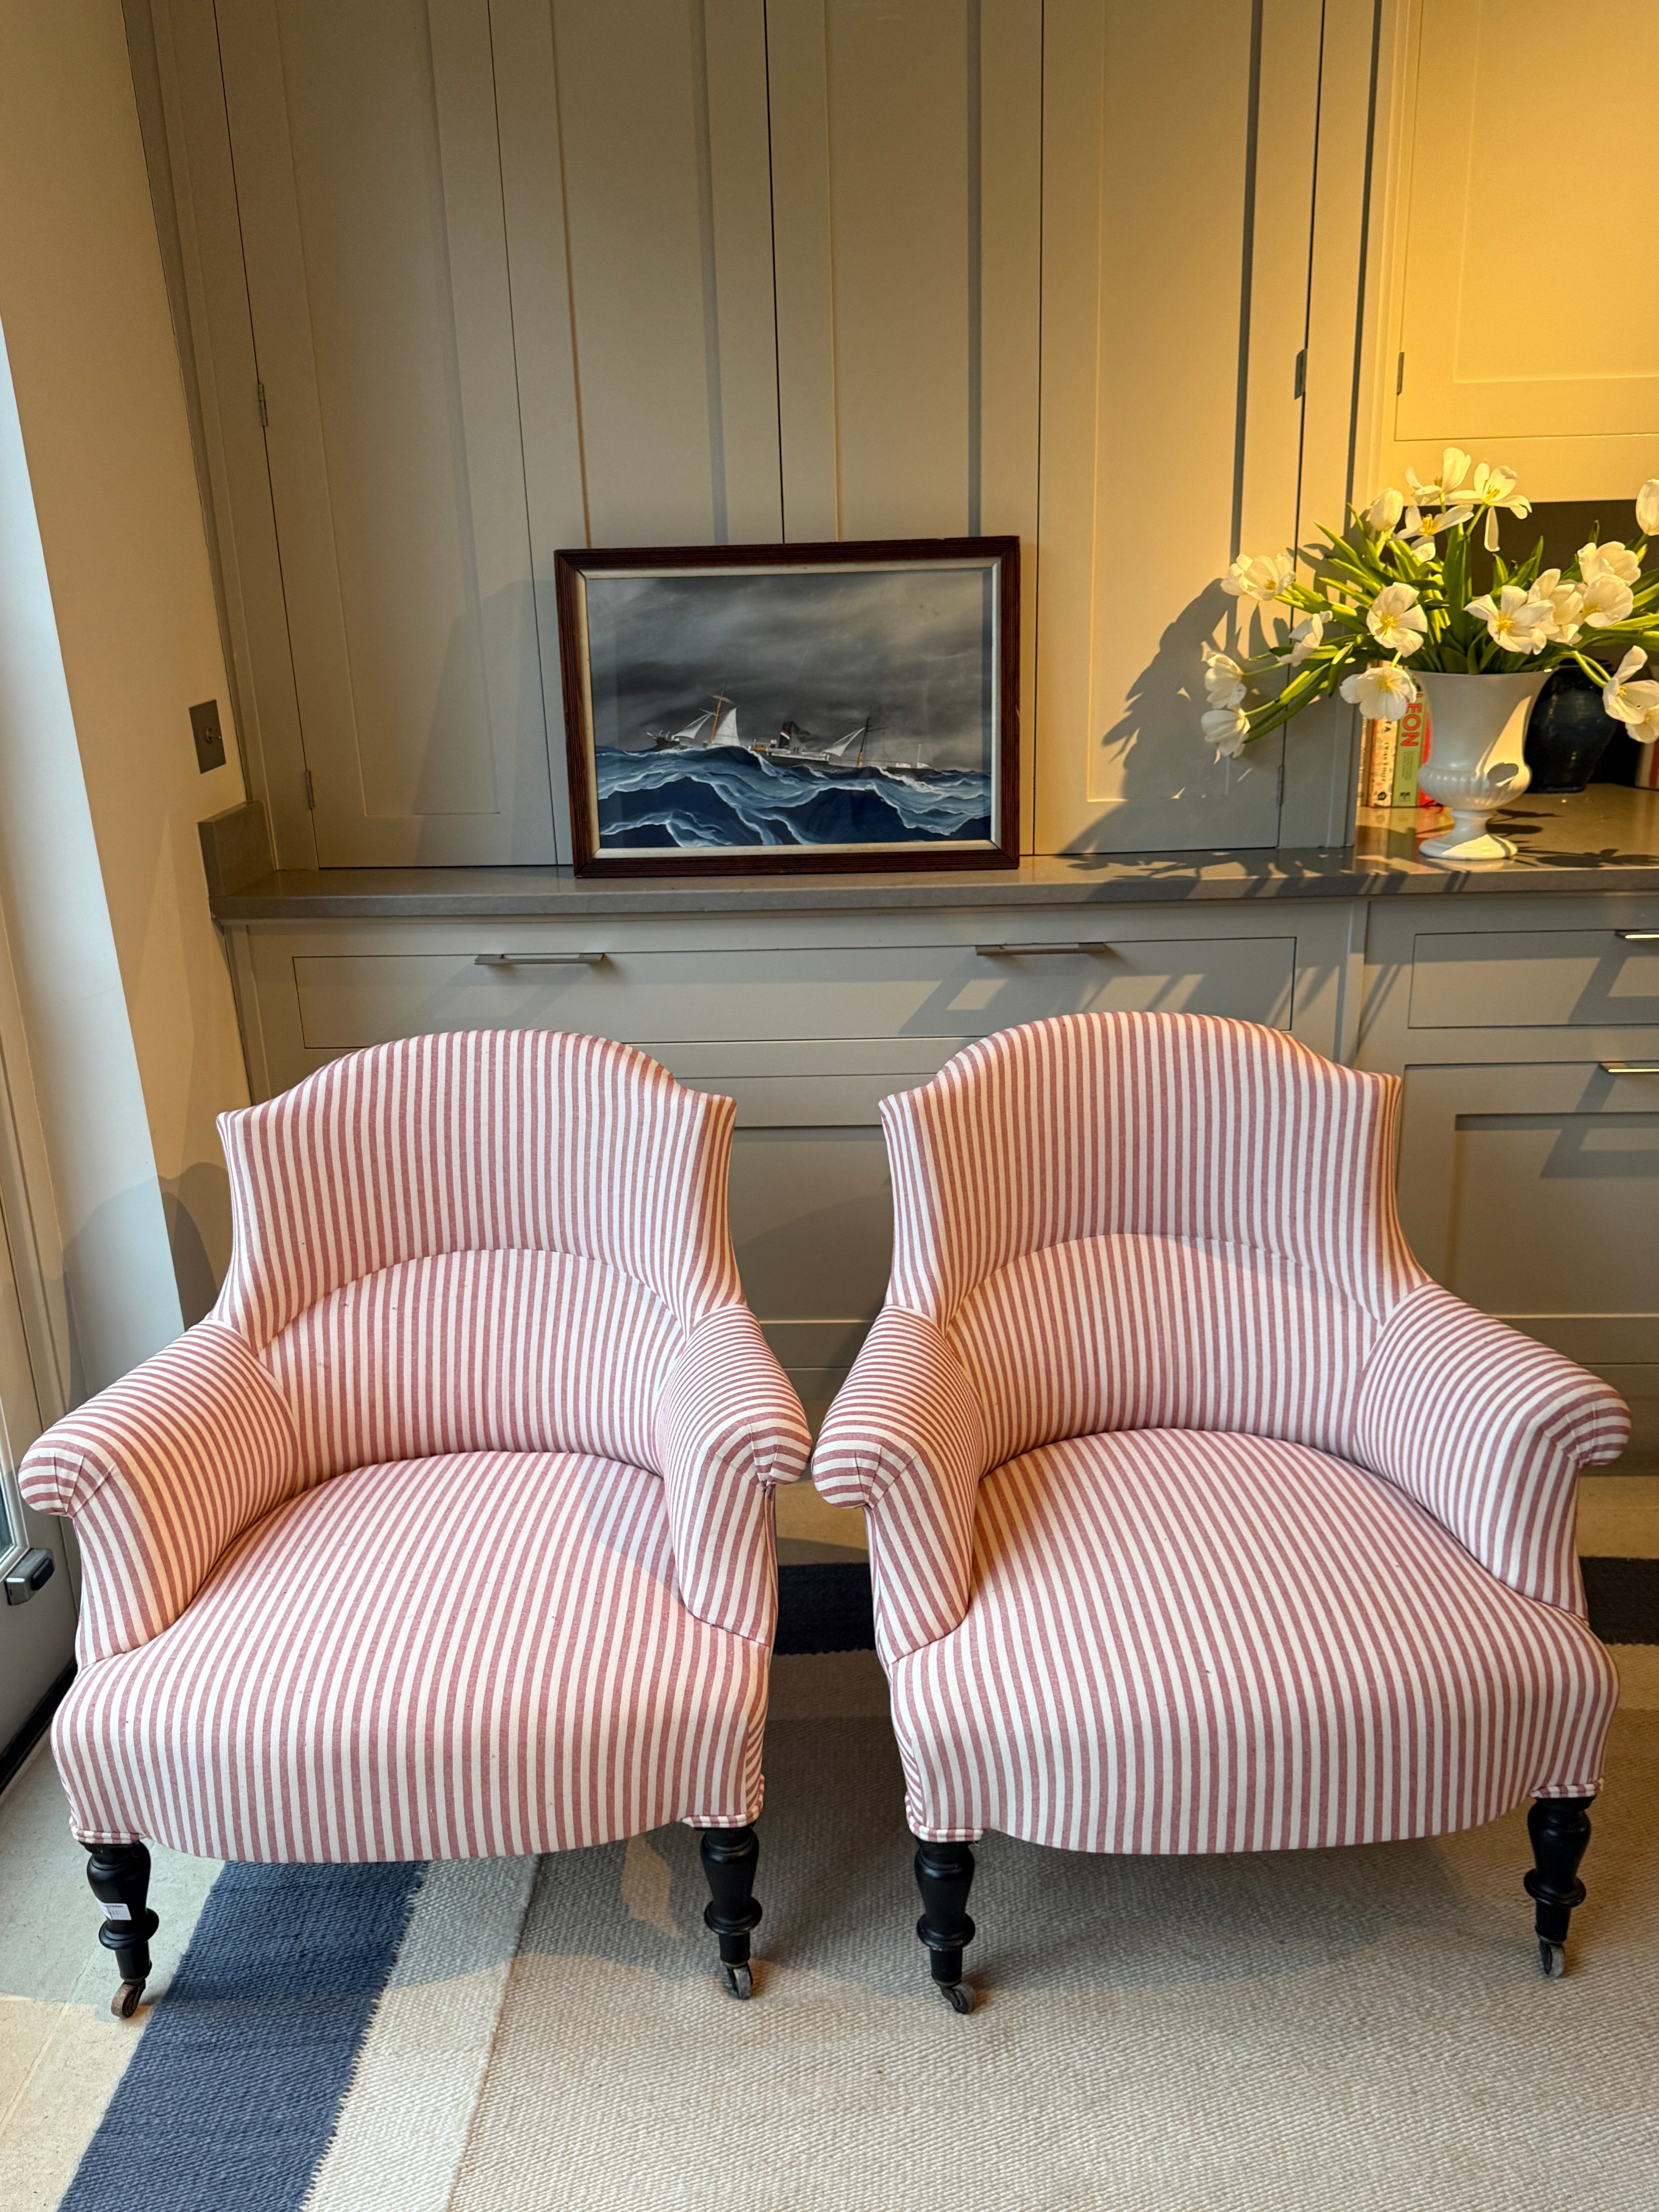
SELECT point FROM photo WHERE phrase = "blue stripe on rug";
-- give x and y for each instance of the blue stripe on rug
(233, 2093)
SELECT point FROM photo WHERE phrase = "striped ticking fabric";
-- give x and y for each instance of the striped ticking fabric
(1181, 1228)
(465, 1657)
(452, 1528)
(1189, 1642)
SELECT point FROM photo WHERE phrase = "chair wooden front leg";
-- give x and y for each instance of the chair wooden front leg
(118, 1875)
(944, 1875)
(1560, 1831)
(729, 1858)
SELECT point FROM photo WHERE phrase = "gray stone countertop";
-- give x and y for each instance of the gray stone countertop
(1605, 839)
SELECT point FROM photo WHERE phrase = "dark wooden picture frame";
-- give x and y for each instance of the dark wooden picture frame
(841, 763)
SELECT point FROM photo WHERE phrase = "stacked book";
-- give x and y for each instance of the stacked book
(1390, 755)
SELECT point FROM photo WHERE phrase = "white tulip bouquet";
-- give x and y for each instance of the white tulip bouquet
(1399, 584)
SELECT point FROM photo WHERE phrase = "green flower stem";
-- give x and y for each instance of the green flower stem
(1347, 572)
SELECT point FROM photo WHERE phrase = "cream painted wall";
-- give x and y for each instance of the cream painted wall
(100, 400)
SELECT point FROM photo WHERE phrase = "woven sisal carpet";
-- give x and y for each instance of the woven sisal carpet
(1357, 2029)
(1331, 2031)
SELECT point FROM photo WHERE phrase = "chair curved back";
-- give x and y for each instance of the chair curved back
(1150, 1220)
(488, 1240)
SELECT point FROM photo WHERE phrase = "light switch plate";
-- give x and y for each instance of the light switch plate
(209, 737)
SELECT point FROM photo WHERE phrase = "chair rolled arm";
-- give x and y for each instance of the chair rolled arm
(729, 1430)
(160, 1474)
(906, 1440)
(1487, 1429)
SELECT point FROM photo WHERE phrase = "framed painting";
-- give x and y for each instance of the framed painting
(769, 708)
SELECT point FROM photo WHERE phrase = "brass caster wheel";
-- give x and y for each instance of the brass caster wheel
(961, 1997)
(1551, 1958)
(124, 2003)
(739, 1981)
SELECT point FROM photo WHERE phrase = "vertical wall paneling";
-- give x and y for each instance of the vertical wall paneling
(521, 274)
(900, 136)
(1145, 181)
(1321, 772)
(906, 204)
(1173, 393)
(227, 372)
(499, 596)
(739, 270)
(658, 110)
(1275, 331)
(543, 339)
(1335, 304)
(1004, 441)
(375, 239)
(636, 183)
(1074, 69)
(797, 88)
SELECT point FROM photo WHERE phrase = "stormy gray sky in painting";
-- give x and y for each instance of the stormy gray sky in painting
(908, 647)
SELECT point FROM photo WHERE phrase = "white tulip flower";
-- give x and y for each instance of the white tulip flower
(1494, 489)
(1566, 606)
(1226, 728)
(1613, 560)
(1647, 507)
(1635, 704)
(1607, 600)
(1395, 619)
(1443, 490)
(1305, 638)
(1515, 620)
(1448, 519)
(1385, 511)
(1259, 576)
(1223, 679)
(1382, 692)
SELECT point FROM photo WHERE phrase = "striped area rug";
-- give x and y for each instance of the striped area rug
(1366, 2027)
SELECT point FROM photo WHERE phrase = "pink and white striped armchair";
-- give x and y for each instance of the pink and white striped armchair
(1200, 1518)
(449, 1533)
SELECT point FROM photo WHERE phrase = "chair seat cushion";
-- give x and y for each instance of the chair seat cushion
(471, 1656)
(1189, 1642)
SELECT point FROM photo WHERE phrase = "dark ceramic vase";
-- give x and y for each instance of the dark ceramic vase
(1568, 733)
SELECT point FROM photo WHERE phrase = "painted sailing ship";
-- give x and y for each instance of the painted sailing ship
(715, 727)
(805, 748)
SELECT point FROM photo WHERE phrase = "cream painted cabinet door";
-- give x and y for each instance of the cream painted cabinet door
(1546, 357)
(1532, 1191)
(1204, 207)
(368, 190)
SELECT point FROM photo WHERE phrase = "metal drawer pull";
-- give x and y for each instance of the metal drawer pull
(1629, 1067)
(1639, 936)
(1077, 944)
(539, 959)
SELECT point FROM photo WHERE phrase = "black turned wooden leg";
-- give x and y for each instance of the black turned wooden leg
(729, 1858)
(944, 1875)
(119, 1877)
(1560, 1830)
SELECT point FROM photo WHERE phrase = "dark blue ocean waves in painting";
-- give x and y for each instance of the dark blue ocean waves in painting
(727, 796)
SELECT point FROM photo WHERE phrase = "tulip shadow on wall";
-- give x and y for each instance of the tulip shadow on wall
(1155, 780)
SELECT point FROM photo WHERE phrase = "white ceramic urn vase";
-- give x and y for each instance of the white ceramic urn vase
(1477, 725)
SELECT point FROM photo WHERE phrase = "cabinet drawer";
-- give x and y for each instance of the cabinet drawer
(654, 998)
(1533, 979)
